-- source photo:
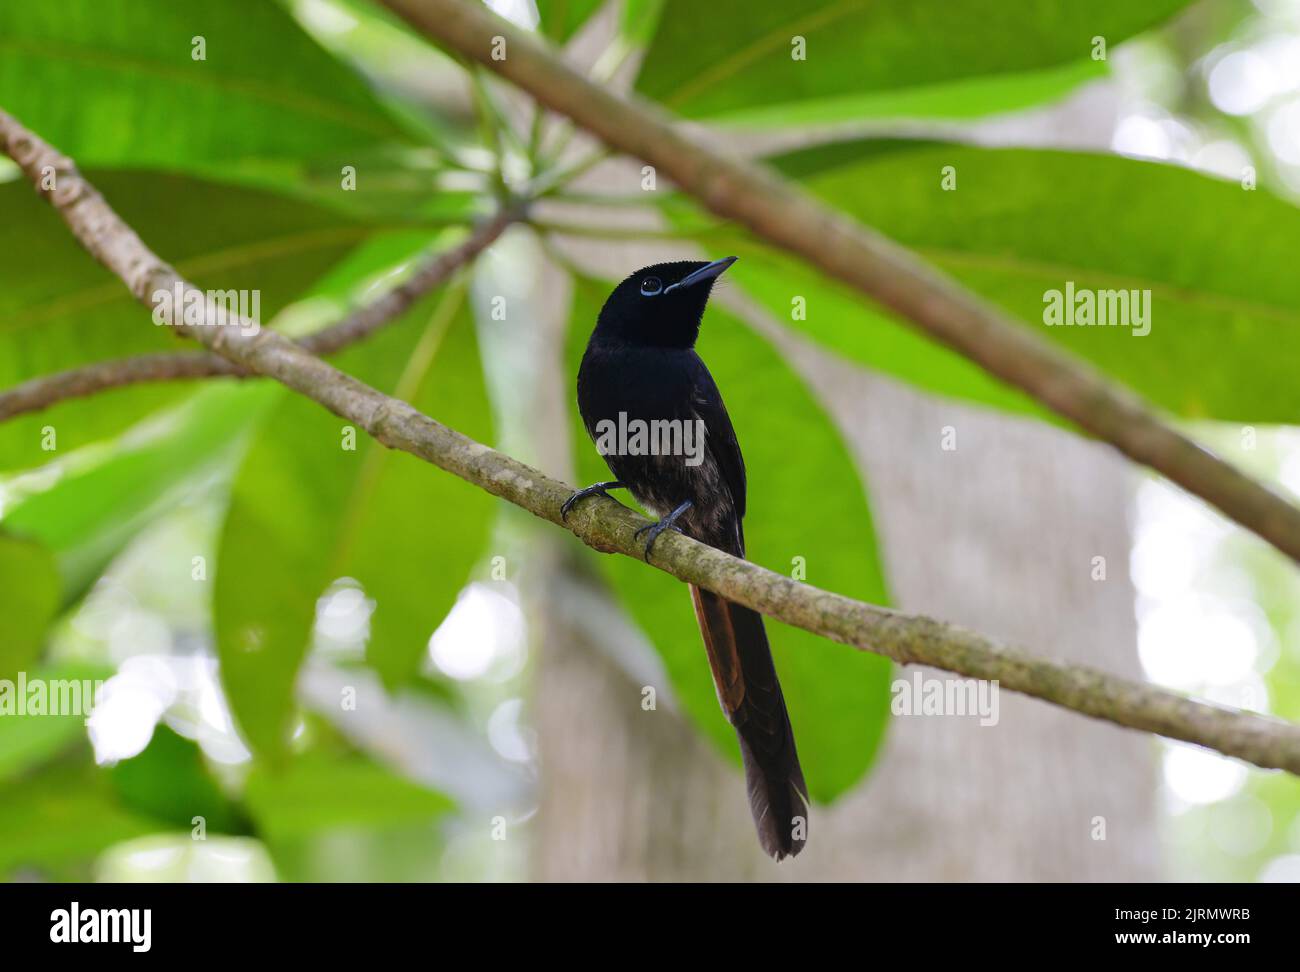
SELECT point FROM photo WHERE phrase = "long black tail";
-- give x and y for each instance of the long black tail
(750, 695)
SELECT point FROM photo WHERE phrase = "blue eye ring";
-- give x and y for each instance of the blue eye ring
(651, 286)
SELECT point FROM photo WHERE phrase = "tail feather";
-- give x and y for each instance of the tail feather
(750, 695)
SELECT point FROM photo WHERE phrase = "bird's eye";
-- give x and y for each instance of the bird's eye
(651, 286)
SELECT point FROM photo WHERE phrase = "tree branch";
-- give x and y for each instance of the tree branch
(879, 268)
(610, 527)
(47, 390)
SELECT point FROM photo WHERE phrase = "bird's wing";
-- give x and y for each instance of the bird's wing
(720, 437)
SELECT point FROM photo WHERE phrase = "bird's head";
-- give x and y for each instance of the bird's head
(661, 305)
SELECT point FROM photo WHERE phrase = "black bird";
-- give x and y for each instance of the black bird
(641, 367)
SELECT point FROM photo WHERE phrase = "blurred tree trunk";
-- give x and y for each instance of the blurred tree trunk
(998, 535)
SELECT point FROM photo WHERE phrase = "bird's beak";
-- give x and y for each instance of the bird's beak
(707, 272)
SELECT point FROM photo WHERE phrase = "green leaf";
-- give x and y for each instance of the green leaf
(962, 98)
(29, 596)
(27, 741)
(639, 20)
(1217, 259)
(398, 62)
(62, 817)
(838, 697)
(60, 309)
(97, 507)
(170, 783)
(1225, 320)
(317, 793)
(117, 82)
(840, 319)
(306, 511)
(713, 60)
(561, 19)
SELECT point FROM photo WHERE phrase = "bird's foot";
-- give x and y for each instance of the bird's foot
(597, 490)
(669, 522)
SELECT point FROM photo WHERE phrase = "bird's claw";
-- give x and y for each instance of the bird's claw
(669, 522)
(600, 489)
(655, 529)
